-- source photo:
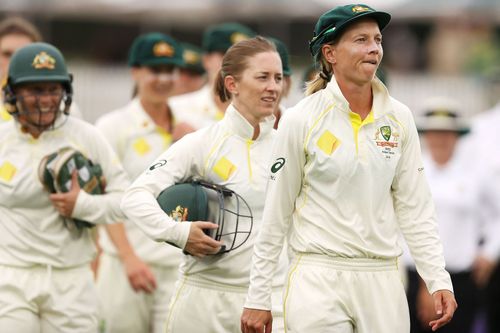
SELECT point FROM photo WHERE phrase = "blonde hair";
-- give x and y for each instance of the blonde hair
(235, 61)
(322, 78)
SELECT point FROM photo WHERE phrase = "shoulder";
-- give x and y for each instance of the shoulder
(186, 99)
(114, 118)
(82, 130)
(307, 110)
(6, 129)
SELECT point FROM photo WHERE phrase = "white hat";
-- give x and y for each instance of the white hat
(442, 114)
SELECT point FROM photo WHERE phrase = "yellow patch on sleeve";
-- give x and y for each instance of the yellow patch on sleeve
(224, 168)
(7, 171)
(141, 146)
(328, 142)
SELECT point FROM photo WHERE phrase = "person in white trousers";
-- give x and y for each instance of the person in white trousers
(46, 284)
(347, 177)
(234, 152)
(136, 274)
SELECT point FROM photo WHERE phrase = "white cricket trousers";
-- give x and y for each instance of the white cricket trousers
(327, 294)
(124, 310)
(199, 306)
(44, 299)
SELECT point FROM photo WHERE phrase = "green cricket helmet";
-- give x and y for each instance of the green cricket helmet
(55, 173)
(202, 201)
(37, 63)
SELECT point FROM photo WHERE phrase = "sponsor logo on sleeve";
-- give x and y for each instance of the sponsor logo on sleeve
(158, 164)
(280, 163)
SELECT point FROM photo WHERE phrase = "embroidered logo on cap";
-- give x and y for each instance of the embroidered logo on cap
(43, 60)
(163, 49)
(238, 37)
(191, 57)
(360, 9)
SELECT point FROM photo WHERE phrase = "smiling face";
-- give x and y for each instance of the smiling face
(358, 52)
(156, 83)
(257, 89)
(39, 104)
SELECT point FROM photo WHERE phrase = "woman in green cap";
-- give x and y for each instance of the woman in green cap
(46, 284)
(136, 274)
(347, 178)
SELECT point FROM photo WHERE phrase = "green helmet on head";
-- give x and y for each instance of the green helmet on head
(38, 62)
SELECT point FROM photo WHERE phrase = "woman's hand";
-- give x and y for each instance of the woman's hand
(445, 306)
(198, 243)
(65, 202)
(256, 321)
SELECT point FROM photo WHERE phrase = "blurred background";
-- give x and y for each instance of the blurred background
(450, 47)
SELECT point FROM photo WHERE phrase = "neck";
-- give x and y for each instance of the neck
(158, 111)
(33, 131)
(360, 97)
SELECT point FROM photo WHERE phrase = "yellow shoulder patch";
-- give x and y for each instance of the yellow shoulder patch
(4, 114)
(328, 142)
(141, 146)
(7, 171)
(224, 168)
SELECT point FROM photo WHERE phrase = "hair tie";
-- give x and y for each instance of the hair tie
(325, 77)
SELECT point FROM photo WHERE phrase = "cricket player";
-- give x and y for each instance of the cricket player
(46, 284)
(136, 274)
(347, 177)
(235, 153)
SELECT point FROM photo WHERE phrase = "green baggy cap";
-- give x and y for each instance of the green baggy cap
(153, 49)
(331, 23)
(219, 38)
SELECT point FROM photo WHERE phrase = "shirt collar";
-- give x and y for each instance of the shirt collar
(240, 126)
(381, 98)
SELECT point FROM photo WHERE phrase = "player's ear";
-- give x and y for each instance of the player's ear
(231, 84)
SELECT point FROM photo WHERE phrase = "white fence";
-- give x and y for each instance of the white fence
(100, 89)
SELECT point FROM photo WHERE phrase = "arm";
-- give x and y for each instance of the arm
(416, 216)
(140, 276)
(180, 163)
(286, 172)
(105, 208)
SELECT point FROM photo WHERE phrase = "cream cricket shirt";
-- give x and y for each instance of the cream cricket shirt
(31, 230)
(345, 187)
(138, 142)
(224, 154)
(197, 108)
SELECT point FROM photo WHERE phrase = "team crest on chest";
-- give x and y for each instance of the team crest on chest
(387, 139)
